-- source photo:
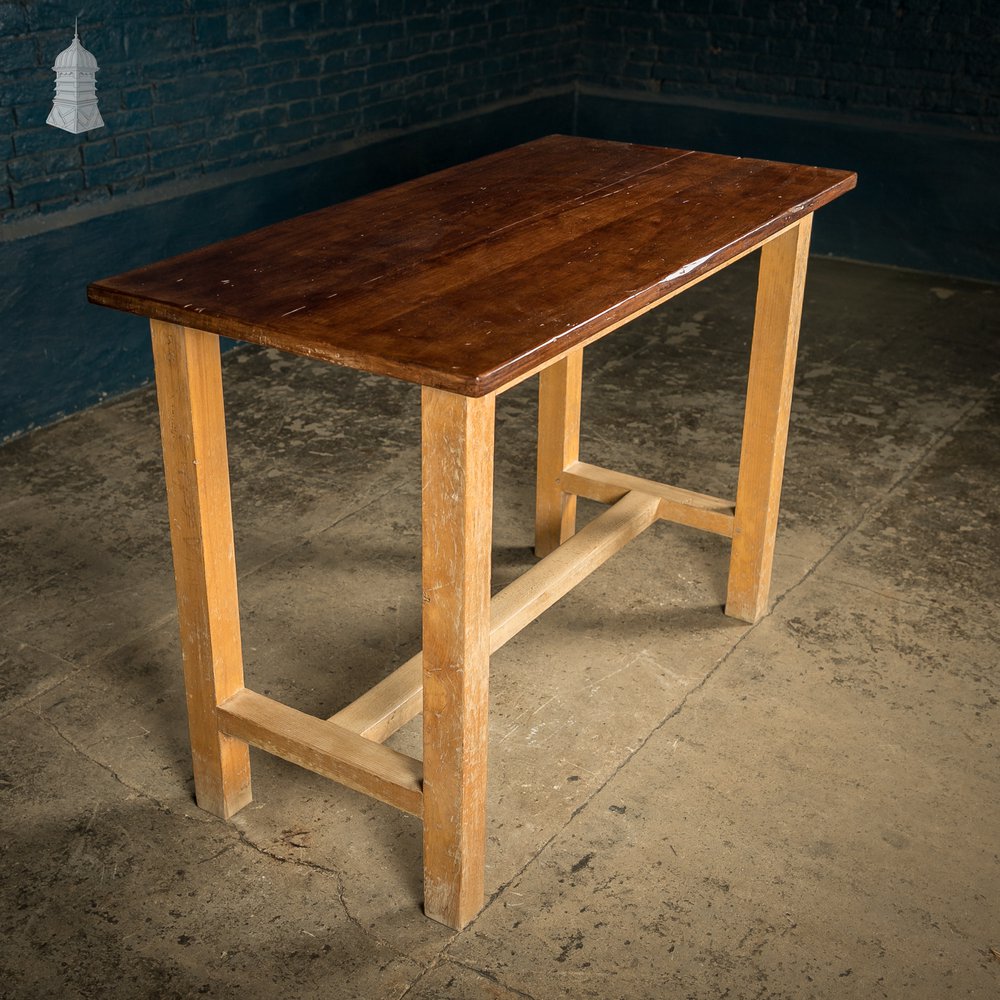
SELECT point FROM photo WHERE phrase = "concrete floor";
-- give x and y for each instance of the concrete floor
(680, 805)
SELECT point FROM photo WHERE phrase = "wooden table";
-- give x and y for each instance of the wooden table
(467, 282)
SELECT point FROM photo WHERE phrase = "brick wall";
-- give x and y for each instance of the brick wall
(908, 61)
(192, 87)
(189, 88)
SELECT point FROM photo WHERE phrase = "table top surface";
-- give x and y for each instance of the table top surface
(468, 278)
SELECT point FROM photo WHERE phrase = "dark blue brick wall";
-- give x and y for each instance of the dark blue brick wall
(192, 87)
(914, 61)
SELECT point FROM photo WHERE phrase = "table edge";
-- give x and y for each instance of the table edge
(498, 378)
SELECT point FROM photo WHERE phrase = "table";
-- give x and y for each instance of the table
(467, 282)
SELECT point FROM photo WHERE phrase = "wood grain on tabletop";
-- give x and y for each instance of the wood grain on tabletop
(466, 278)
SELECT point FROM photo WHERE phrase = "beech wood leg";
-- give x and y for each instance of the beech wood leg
(559, 388)
(192, 426)
(457, 468)
(765, 426)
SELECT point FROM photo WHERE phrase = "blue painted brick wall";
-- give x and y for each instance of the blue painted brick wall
(192, 87)
(914, 61)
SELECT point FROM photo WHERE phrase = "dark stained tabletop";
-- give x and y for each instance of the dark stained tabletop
(467, 278)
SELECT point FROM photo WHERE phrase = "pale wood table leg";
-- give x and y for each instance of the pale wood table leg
(559, 388)
(765, 426)
(457, 532)
(192, 425)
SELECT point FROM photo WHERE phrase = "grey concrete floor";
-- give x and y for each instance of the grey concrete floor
(679, 805)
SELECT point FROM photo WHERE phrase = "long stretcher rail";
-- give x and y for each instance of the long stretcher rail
(395, 700)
